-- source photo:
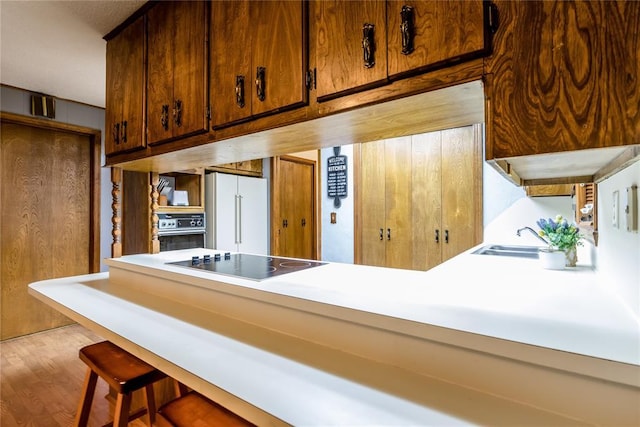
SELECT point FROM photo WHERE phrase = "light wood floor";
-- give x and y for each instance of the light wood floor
(41, 379)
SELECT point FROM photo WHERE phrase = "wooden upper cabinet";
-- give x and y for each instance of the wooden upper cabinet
(124, 112)
(177, 36)
(258, 59)
(351, 46)
(428, 34)
(563, 76)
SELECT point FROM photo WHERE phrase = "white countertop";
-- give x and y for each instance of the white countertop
(503, 297)
(491, 309)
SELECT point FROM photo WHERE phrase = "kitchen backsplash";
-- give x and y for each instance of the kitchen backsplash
(616, 258)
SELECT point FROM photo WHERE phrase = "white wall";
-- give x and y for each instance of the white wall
(616, 258)
(618, 249)
(338, 238)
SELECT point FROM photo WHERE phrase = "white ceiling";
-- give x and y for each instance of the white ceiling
(57, 47)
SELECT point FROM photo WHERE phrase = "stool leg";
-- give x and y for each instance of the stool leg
(121, 411)
(84, 407)
(150, 398)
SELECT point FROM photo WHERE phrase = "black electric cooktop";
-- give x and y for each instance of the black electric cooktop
(254, 267)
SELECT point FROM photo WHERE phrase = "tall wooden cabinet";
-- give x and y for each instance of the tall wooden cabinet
(420, 198)
(258, 58)
(177, 96)
(124, 113)
(386, 203)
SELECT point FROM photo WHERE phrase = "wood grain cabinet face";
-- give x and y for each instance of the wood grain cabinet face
(177, 94)
(427, 34)
(340, 46)
(410, 37)
(124, 112)
(421, 198)
(258, 59)
(564, 75)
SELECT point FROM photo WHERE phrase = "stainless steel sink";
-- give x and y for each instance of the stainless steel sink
(508, 250)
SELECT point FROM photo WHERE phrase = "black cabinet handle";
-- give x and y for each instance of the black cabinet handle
(260, 78)
(437, 236)
(116, 133)
(381, 234)
(124, 132)
(446, 236)
(406, 29)
(177, 112)
(240, 91)
(285, 223)
(164, 117)
(368, 45)
(388, 234)
(304, 222)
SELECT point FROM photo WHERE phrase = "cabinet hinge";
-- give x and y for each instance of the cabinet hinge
(494, 18)
(310, 79)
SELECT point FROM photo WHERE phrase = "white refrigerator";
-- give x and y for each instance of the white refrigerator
(236, 209)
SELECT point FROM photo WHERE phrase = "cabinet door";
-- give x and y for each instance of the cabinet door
(398, 217)
(424, 34)
(125, 87)
(428, 236)
(231, 74)
(160, 34)
(279, 54)
(340, 58)
(563, 76)
(461, 191)
(190, 78)
(372, 170)
(177, 78)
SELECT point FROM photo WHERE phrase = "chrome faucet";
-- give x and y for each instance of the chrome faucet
(534, 233)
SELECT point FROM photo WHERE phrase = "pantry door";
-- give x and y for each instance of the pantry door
(293, 223)
(49, 215)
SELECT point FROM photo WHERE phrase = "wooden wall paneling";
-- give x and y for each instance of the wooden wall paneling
(136, 209)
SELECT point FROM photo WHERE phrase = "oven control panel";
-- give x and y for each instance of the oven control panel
(172, 222)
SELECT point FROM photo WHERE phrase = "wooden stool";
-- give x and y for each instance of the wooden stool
(124, 373)
(195, 410)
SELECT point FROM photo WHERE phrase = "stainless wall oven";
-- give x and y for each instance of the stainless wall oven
(181, 231)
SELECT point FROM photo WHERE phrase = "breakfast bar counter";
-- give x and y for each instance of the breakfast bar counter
(353, 345)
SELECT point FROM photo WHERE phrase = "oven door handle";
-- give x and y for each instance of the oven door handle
(181, 232)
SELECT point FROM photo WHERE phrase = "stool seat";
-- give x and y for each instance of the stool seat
(124, 373)
(195, 410)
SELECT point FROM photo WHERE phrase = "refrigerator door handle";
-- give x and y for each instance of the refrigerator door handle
(239, 219)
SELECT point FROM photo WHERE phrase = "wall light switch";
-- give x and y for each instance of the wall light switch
(614, 215)
(333, 217)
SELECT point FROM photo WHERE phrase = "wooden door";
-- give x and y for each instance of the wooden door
(427, 200)
(443, 32)
(399, 228)
(125, 89)
(339, 46)
(279, 47)
(49, 203)
(461, 189)
(231, 73)
(294, 223)
(177, 78)
(372, 211)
